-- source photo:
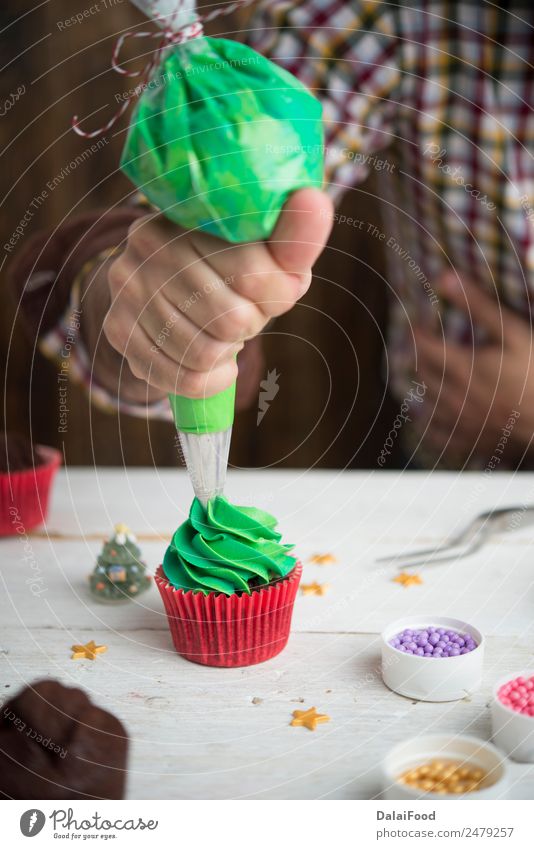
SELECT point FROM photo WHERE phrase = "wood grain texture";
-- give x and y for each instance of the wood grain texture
(210, 733)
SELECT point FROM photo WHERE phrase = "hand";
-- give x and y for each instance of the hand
(479, 400)
(182, 304)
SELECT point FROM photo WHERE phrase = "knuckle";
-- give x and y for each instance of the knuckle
(191, 383)
(206, 353)
(244, 319)
(117, 276)
(144, 237)
(137, 367)
(115, 333)
(249, 282)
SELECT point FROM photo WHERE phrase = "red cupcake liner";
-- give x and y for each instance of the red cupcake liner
(24, 494)
(236, 630)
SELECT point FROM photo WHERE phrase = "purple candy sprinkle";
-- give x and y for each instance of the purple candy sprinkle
(433, 642)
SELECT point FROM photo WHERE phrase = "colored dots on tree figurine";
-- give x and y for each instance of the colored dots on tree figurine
(119, 574)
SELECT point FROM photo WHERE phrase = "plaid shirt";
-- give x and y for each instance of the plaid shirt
(446, 88)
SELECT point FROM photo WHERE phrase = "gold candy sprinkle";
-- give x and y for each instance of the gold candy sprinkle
(444, 777)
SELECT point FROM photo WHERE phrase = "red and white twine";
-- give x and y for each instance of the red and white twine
(166, 36)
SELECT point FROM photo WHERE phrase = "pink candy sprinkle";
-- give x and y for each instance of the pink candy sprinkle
(518, 695)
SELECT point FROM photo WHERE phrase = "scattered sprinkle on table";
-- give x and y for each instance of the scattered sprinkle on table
(314, 588)
(444, 777)
(407, 580)
(433, 642)
(323, 559)
(88, 651)
(309, 718)
(518, 695)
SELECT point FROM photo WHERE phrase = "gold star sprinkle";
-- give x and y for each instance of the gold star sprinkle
(314, 588)
(407, 580)
(309, 718)
(323, 559)
(89, 651)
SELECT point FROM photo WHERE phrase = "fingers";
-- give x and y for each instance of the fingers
(484, 310)
(151, 364)
(183, 304)
(215, 307)
(181, 340)
(302, 230)
(437, 359)
(251, 271)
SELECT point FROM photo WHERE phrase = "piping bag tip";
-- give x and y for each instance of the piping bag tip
(204, 428)
(206, 459)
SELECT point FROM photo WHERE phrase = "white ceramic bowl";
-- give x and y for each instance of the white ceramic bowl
(513, 732)
(428, 747)
(432, 679)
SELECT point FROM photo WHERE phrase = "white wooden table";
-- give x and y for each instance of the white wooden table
(208, 733)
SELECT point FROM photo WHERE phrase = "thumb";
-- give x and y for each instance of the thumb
(484, 310)
(301, 231)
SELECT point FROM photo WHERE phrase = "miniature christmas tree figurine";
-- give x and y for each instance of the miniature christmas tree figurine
(119, 573)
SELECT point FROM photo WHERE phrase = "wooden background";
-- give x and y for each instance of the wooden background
(327, 350)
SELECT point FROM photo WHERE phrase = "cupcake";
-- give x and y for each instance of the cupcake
(26, 474)
(228, 585)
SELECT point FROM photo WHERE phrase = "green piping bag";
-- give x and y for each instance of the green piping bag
(219, 138)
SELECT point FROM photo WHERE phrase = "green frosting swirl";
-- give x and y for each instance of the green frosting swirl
(226, 549)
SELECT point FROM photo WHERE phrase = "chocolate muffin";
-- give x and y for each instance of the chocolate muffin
(56, 744)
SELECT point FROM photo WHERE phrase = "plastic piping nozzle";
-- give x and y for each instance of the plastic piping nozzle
(204, 427)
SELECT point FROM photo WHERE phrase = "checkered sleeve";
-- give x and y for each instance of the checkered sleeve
(64, 345)
(347, 54)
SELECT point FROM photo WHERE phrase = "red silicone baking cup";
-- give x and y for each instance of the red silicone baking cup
(236, 630)
(24, 494)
